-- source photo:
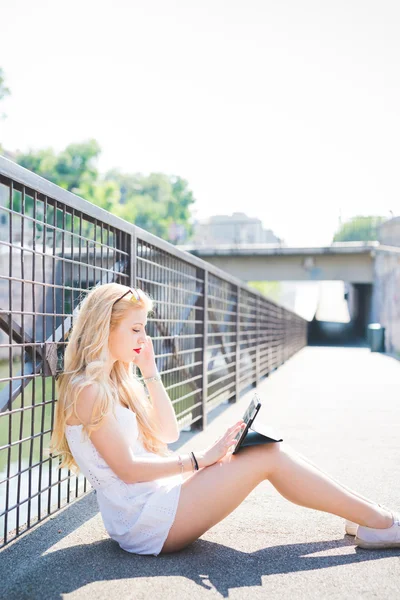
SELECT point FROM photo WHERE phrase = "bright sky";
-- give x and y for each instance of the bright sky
(286, 110)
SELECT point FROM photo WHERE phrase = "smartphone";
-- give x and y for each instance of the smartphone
(248, 418)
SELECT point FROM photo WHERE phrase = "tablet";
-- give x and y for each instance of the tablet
(248, 418)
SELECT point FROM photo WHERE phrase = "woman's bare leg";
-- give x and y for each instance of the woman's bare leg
(299, 481)
(333, 479)
(211, 494)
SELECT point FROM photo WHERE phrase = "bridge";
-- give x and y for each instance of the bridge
(216, 340)
(344, 261)
(370, 270)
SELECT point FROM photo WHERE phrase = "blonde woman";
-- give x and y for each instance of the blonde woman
(152, 500)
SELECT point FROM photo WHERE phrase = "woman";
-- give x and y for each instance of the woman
(109, 429)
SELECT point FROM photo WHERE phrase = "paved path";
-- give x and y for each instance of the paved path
(338, 406)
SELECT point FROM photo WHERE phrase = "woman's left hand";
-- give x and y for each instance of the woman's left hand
(146, 360)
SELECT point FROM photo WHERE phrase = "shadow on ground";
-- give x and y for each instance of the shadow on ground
(35, 570)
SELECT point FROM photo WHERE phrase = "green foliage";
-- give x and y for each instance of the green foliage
(69, 169)
(101, 193)
(270, 289)
(359, 229)
(157, 203)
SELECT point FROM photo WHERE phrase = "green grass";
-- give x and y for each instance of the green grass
(27, 423)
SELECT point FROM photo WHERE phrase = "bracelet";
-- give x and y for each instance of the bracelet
(192, 461)
(180, 462)
(155, 378)
(196, 463)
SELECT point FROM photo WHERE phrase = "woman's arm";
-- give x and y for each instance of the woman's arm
(163, 410)
(149, 468)
(110, 441)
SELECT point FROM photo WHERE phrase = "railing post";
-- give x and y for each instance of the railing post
(204, 353)
(133, 259)
(281, 336)
(258, 328)
(200, 345)
(237, 378)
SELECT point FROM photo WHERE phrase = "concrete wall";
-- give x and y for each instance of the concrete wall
(386, 298)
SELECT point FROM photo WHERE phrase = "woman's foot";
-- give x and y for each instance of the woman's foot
(351, 526)
(371, 537)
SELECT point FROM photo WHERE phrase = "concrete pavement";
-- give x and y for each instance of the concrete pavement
(340, 407)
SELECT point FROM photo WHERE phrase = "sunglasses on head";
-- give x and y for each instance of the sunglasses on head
(134, 298)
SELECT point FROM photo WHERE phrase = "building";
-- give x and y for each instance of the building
(235, 229)
(389, 232)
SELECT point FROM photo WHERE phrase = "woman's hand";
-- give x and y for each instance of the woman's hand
(146, 360)
(220, 448)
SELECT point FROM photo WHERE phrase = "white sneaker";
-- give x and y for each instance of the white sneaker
(370, 537)
(351, 527)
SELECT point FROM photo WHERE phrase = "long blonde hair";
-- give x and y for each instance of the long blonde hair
(84, 364)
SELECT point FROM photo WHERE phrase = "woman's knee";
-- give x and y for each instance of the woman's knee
(276, 453)
(266, 457)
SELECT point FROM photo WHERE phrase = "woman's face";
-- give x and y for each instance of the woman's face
(126, 340)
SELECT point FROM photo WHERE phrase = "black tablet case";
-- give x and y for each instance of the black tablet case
(263, 435)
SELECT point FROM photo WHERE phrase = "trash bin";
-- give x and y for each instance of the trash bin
(376, 337)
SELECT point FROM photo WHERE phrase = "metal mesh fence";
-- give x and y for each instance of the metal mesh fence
(213, 337)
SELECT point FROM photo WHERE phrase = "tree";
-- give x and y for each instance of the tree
(158, 203)
(105, 194)
(359, 229)
(69, 169)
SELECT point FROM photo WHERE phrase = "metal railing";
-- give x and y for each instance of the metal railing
(213, 336)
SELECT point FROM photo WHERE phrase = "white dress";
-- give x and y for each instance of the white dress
(136, 515)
